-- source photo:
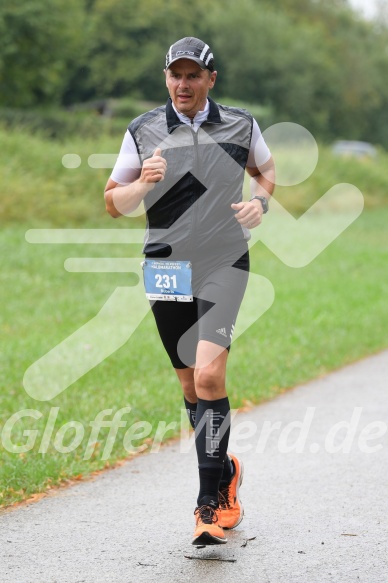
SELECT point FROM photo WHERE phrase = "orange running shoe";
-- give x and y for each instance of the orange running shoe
(231, 511)
(207, 532)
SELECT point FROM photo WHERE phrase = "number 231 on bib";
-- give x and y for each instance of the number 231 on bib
(167, 280)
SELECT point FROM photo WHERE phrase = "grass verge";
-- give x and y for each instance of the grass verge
(325, 315)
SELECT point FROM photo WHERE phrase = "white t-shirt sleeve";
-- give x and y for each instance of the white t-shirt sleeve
(259, 152)
(128, 166)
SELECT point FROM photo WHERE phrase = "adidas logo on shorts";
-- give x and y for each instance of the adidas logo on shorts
(222, 331)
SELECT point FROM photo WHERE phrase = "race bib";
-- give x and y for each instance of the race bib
(167, 280)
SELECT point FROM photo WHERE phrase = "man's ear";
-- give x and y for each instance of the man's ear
(212, 80)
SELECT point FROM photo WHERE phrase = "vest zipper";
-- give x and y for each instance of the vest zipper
(196, 203)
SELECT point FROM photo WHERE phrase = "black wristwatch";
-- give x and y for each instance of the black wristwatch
(264, 202)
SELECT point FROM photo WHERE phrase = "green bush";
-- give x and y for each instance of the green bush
(83, 122)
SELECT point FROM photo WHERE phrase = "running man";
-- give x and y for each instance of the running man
(186, 162)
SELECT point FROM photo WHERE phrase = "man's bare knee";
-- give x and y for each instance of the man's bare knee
(210, 382)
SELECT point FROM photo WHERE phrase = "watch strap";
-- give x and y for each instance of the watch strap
(264, 202)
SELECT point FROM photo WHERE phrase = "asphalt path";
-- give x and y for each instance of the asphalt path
(315, 493)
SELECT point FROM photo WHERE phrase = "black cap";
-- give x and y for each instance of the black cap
(191, 48)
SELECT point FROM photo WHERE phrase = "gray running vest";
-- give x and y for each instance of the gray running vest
(189, 213)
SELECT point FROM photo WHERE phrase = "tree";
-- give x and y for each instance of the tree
(38, 41)
(130, 40)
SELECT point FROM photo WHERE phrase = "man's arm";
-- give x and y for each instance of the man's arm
(263, 179)
(123, 200)
(262, 184)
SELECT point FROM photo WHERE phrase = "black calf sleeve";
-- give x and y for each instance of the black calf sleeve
(191, 409)
(212, 429)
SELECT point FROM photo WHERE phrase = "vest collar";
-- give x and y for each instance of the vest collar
(173, 120)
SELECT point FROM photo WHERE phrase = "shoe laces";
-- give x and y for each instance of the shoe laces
(224, 497)
(207, 514)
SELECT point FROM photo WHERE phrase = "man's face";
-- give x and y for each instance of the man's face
(189, 85)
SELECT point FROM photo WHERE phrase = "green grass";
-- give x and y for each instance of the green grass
(327, 314)
(38, 190)
(330, 313)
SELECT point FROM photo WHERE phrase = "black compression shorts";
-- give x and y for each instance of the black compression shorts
(211, 316)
